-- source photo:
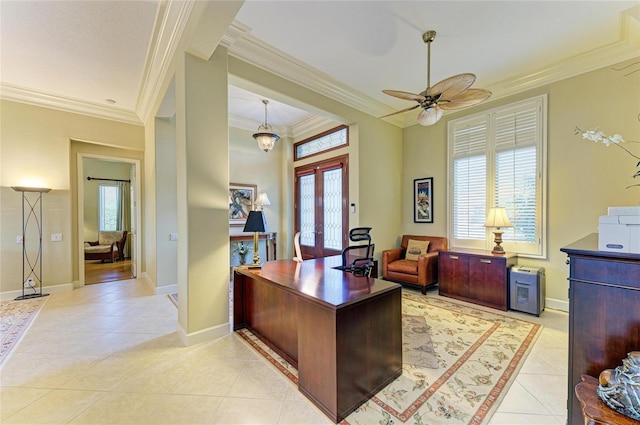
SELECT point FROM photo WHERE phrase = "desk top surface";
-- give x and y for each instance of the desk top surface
(318, 281)
(589, 246)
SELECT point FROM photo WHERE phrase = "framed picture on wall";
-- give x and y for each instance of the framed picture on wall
(241, 199)
(423, 200)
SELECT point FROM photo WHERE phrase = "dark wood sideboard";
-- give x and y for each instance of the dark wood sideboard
(476, 276)
(343, 332)
(604, 313)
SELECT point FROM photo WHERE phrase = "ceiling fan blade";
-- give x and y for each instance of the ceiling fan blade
(430, 116)
(469, 98)
(452, 86)
(404, 95)
(399, 112)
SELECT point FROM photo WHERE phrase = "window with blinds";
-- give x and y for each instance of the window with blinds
(496, 159)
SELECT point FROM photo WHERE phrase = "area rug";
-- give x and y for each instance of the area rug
(478, 354)
(15, 319)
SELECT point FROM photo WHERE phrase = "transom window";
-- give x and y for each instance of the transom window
(496, 158)
(323, 142)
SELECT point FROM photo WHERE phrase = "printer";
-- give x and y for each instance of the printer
(619, 230)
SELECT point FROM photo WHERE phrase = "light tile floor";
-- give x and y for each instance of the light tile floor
(109, 354)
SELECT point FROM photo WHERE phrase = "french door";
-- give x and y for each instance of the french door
(321, 195)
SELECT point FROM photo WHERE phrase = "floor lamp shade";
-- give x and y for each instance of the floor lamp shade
(256, 223)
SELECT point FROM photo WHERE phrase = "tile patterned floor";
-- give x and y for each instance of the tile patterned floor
(109, 354)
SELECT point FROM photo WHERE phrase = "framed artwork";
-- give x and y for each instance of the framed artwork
(241, 199)
(423, 200)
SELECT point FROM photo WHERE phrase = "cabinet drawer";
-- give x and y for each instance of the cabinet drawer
(606, 271)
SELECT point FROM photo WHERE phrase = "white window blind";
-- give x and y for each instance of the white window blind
(469, 170)
(496, 159)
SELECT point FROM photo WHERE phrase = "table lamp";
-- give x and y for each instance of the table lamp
(255, 223)
(497, 218)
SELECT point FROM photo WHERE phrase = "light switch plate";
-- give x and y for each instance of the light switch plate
(56, 237)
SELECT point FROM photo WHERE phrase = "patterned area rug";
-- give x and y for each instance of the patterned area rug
(477, 357)
(15, 319)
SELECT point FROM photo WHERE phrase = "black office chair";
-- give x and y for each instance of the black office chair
(358, 259)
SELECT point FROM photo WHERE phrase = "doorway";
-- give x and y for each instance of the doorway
(320, 207)
(107, 202)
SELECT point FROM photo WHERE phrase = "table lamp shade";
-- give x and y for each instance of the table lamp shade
(255, 222)
(497, 217)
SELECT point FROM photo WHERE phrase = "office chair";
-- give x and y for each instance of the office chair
(358, 259)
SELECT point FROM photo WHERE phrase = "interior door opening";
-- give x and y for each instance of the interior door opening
(108, 190)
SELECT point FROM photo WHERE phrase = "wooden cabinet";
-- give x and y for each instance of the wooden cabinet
(604, 312)
(475, 276)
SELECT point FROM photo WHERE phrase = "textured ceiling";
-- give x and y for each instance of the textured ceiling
(87, 52)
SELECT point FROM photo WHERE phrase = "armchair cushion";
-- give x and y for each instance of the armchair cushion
(416, 248)
(398, 266)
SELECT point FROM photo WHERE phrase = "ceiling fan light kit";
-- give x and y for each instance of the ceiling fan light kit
(450, 93)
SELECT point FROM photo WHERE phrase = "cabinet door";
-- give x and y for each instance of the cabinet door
(488, 281)
(453, 274)
(604, 325)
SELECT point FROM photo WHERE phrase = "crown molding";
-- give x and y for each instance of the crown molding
(172, 21)
(47, 100)
(243, 46)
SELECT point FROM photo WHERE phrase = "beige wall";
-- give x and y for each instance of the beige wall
(584, 178)
(35, 144)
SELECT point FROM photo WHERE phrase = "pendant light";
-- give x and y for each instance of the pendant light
(265, 137)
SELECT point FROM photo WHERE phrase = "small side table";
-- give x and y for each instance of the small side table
(594, 410)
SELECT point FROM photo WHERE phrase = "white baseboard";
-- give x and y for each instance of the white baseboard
(203, 335)
(166, 289)
(557, 304)
(12, 295)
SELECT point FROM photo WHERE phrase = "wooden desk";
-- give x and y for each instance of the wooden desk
(594, 410)
(342, 332)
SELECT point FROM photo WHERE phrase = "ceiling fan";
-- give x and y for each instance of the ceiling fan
(450, 93)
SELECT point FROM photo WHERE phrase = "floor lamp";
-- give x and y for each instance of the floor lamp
(31, 223)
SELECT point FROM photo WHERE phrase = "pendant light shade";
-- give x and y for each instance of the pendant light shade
(265, 137)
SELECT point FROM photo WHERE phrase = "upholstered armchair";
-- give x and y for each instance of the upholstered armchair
(109, 246)
(414, 263)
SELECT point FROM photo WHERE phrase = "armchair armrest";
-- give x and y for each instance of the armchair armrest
(92, 243)
(426, 265)
(390, 255)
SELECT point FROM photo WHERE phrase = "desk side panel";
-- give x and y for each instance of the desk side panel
(348, 355)
(271, 312)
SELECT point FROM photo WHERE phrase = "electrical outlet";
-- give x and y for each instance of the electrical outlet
(56, 237)
(19, 239)
(29, 283)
